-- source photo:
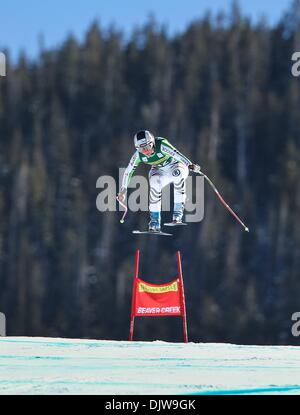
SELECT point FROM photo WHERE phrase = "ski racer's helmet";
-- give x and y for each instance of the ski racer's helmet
(144, 141)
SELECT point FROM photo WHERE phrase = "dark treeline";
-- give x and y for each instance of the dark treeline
(223, 93)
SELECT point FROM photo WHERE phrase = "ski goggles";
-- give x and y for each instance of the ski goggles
(146, 148)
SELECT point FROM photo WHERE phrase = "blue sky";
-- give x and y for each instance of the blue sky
(23, 21)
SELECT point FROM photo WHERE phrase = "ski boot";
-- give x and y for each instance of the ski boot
(178, 213)
(154, 224)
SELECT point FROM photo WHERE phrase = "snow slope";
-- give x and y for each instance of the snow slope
(68, 366)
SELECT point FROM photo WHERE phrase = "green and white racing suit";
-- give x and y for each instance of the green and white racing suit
(168, 165)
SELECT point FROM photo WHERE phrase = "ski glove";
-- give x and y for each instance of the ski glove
(121, 196)
(195, 168)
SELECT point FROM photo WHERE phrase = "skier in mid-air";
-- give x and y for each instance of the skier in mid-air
(168, 165)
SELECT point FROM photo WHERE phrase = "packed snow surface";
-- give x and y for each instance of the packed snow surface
(73, 366)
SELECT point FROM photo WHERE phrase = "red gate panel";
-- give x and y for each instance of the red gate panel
(150, 300)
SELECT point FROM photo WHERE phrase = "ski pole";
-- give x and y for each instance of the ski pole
(125, 212)
(223, 201)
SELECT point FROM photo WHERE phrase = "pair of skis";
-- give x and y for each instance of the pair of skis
(159, 233)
